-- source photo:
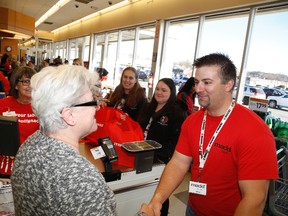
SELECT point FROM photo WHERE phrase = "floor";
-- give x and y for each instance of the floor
(179, 198)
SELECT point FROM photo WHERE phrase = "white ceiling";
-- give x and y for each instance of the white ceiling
(72, 11)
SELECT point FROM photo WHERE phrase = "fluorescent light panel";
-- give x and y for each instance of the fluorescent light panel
(112, 7)
(51, 11)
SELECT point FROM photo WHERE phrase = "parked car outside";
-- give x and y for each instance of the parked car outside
(250, 91)
(142, 75)
(182, 81)
(273, 92)
(278, 101)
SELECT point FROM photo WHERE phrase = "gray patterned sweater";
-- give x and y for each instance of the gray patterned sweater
(50, 178)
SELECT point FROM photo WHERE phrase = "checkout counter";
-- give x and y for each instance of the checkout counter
(131, 186)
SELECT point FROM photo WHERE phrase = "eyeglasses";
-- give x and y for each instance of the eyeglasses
(24, 82)
(90, 103)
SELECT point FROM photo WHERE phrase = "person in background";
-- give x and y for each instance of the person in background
(161, 121)
(14, 66)
(5, 82)
(7, 65)
(77, 61)
(128, 96)
(230, 150)
(49, 175)
(18, 104)
(57, 61)
(31, 64)
(186, 95)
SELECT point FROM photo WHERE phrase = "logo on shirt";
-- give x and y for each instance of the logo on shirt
(164, 120)
(224, 148)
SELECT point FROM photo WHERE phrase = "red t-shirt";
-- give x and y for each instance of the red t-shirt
(6, 83)
(28, 122)
(243, 150)
(188, 100)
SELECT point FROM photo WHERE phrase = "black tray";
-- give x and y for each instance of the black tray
(140, 146)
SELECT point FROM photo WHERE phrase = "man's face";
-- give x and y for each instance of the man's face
(208, 86)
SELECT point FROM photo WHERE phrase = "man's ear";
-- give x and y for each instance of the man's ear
(67, 116)
(229, 85)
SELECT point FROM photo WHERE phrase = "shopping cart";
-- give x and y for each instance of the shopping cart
(278, 190)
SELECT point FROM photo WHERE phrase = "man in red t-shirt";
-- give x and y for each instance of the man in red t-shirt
(231, 151)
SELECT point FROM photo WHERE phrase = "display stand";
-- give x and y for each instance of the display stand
(144, 154)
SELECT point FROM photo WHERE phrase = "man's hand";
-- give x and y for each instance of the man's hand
(147, 209)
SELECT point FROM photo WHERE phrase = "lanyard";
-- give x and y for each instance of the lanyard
(203, 156)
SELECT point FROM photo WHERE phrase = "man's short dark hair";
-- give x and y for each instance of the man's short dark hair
(227, 68)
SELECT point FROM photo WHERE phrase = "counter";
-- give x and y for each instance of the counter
(132, 189)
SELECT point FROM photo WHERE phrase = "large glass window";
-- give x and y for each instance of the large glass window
(72, 49)
(224, 35)
(144, 53)
(97, 53)
(111, 59)
(126, 50)
(179, 50)
(267, 60)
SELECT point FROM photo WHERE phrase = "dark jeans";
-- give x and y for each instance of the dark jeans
(189, 211)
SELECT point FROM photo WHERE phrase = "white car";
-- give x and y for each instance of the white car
(250, 91)
(278, 101)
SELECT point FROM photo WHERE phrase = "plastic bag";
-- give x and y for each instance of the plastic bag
(120, 128)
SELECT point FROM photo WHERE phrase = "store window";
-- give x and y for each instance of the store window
(225, 35)
(59, 50)
(267, 60)
(72, 49)
(179, 50)
(98, 50)
(126, 50)
(144, 53)
(111, 60)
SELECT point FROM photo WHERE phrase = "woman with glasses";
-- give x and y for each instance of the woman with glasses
(49, 175)
(18, 105)
(19, 102)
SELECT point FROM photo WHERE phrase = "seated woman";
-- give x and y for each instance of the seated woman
(19, 105)
(128, 96)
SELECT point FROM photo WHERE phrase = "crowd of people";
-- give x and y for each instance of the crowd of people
(56, 107)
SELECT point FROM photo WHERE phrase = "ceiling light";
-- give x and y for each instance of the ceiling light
(51, 11)
(105, 10)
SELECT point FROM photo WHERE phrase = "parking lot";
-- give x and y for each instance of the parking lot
(279, 113)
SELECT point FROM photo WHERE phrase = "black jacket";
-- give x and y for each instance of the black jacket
(165, 129)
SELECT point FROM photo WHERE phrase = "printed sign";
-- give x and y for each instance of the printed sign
(260, 105)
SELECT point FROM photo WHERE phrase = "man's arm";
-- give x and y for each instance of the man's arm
(254, 195)
(171, 178)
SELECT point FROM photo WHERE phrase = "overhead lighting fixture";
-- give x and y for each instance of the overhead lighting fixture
(51, 11)
(105, 10)
(11, 34)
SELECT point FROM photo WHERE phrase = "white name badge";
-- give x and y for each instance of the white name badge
(10, 114)
(198, 188)
(97, 152)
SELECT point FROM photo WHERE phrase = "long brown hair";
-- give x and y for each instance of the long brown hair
(135, 95)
